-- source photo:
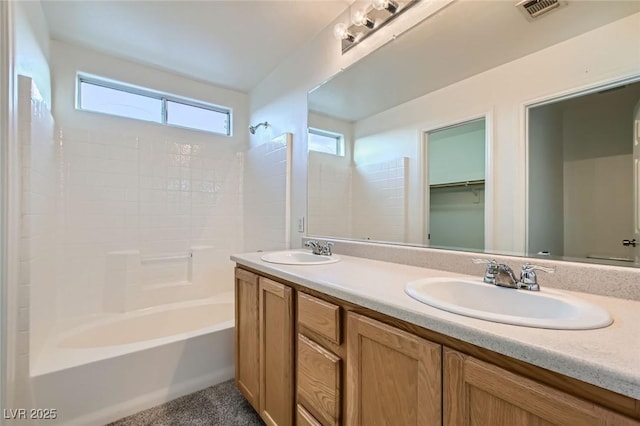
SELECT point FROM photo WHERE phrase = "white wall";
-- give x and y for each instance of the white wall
(456, 217)
(32, 45)
(143, 190)
(581, 62)
(546, 191)
(457, 154)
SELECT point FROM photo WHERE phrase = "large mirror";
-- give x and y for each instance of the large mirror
(435, 138)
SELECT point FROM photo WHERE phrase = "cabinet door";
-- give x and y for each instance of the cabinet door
(393, 377)
(477, 393)
(276, 353)
(247, 337)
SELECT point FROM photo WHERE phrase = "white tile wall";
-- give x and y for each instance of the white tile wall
(329, 203)
(380, 200)
(147, 193)
(265, 204)
(39, 220)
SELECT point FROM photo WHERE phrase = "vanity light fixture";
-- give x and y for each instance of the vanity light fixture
(252, 129)
(365, 22)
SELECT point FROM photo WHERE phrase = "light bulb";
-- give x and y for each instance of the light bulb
(341, 32)
(361, 19)
(390, 5)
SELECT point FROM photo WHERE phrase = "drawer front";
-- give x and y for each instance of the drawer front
(318, 381)
(304, 418)
(320, 317)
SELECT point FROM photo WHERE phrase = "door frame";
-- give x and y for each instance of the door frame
(488, 173)
(9, 207)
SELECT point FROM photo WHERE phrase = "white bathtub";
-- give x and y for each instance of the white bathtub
(119, 364)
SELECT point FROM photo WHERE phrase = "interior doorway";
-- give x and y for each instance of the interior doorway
(455, 186)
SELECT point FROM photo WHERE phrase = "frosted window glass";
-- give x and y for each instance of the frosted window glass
(329, 144)
(117, 102)
(194, 117)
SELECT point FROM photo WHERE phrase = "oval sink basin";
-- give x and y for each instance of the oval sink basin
(292, 257)
(540, 309)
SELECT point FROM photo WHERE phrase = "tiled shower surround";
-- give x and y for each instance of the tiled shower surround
(118, 221)
(151, 198)
(40, 227)
(364, 201)
(265, 195)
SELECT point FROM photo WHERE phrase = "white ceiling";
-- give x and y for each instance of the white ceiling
(233, 44)
(464, 39)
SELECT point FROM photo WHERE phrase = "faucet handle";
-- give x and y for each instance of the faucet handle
(528, 277)
(529, 267)
(314, 245)
(325, 248)
(492, 269)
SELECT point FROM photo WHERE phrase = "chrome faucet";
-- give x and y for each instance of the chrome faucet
(502, 275)
(319, 248)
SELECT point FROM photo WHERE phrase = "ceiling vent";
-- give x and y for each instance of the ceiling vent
(533, 9)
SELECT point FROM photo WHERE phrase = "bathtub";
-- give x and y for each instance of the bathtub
(115, 365)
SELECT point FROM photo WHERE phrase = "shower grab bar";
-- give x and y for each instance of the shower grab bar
(166, 258)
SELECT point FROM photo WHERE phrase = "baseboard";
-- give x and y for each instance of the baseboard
(143, 402)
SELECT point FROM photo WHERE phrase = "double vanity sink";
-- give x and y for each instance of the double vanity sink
(546, 308)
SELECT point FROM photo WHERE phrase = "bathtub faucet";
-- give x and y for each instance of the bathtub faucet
(322, 249)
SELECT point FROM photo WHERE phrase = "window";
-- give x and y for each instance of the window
(109, 97)
(327, 142)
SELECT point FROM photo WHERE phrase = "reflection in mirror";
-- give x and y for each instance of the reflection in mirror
(370, 177)
(367, 192)
(456, 179)
(581, 176)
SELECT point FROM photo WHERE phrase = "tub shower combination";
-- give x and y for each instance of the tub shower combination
(155, 341)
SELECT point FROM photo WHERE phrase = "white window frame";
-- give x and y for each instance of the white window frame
(340, 148)
(163, 97)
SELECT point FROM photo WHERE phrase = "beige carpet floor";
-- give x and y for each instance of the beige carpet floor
(220, 405)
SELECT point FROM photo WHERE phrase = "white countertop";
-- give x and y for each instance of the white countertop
(607, 357)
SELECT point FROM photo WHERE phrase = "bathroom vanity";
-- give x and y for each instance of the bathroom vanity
(343, 344)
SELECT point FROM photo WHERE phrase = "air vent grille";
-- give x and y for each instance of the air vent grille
(535, 8)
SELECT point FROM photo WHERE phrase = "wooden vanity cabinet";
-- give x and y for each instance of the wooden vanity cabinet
(393, 377)
(353, 366)
(479, 393)
(264, 346)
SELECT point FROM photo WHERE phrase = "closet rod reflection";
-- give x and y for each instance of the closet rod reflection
(452, 184)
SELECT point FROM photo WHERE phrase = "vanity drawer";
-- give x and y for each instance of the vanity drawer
(319, 316)
(304, 418)
(318, 381)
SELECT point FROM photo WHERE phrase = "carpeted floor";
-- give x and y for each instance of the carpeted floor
(220, 405)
